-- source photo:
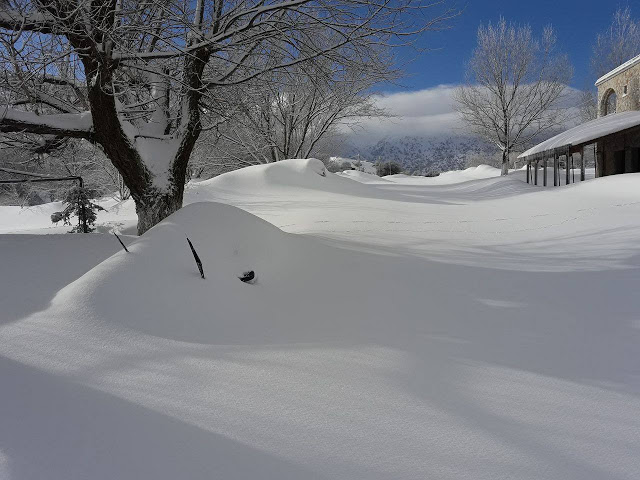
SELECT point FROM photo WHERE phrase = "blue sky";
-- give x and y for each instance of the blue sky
(576, 23)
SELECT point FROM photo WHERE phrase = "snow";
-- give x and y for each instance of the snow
(587, 132)
(81, 122)
(119, 217)
(362, 177)
(157, 150)
(359, 165)
(479, 329)
(35, 267)
(157, 154)
(449, 178)
(616, 71)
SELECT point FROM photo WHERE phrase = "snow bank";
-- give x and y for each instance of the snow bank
(287, 175)
(119, 216)
(15, 218)
(448, 178)
(158, 283)
(477, 330)
(36, 267)
(362, 177)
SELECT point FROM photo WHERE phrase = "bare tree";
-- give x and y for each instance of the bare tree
(588, 105)
(289, 113)
(619, 43)
(74, 158)
(131, 76)
(514, 86)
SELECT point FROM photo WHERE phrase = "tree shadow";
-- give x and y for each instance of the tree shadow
(36, 267)
(53, 426)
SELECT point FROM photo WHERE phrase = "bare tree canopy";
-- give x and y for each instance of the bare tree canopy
(514, 86)
(619, 43)
(132, 76)
(289, 113)
(588, 105)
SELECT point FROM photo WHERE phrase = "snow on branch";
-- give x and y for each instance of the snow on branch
(78, 125)
(36, 21)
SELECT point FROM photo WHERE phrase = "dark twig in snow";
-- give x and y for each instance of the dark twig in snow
(195, 255)
(123, 245)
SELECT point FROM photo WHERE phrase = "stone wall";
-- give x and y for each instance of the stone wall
(631, 101)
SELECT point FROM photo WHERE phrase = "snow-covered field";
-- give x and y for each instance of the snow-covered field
(466, 326)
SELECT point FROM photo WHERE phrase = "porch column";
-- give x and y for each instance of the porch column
(544, 173)
(600, 159)
(628, 160)
(567, 179)
(582, 165)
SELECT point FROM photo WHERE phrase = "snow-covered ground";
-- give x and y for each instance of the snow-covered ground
(474, 327)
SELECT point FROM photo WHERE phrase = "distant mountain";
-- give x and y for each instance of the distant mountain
(424, 155)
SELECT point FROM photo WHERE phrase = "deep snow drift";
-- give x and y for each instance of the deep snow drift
(480, 330)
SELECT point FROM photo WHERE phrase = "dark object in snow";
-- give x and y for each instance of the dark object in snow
(123, 245)
(247, 277)
(195, 255)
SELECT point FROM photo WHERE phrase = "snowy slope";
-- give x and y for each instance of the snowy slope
(118, 216)
(475, 330)
(362, 177)
(36, 267)
(450, 177)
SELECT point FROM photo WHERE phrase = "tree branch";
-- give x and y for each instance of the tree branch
(34, 22)
(70, 125)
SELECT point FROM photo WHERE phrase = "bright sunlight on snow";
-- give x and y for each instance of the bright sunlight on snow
(468, 326)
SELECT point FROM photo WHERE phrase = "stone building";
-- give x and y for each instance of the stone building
(614, 136)
(619, 90)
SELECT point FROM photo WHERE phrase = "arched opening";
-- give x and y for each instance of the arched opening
(609, 102)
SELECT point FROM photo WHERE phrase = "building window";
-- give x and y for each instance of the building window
(624, 90)
(610, 103)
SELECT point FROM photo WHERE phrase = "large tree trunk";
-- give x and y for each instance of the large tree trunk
(155, 209)
(152, 164)
(505, 162)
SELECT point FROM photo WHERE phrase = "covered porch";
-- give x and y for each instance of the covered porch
(613, 139)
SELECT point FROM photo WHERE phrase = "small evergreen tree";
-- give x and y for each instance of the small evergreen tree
(78, 203)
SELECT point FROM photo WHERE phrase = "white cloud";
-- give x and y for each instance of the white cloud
(422, 113)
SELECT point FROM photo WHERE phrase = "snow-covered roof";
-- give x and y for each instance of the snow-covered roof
(617, 70)
(588, 132)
